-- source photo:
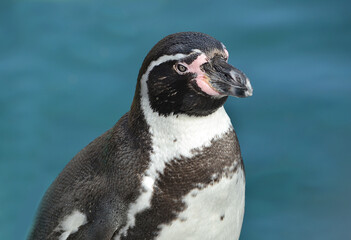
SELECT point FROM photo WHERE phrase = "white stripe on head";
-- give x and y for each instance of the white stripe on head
(144, 91)
(197, 51)
(71, 223)
(172, 137)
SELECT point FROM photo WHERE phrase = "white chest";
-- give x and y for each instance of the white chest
(214, 212)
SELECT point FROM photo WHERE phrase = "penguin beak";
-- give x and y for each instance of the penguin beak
(226, 79)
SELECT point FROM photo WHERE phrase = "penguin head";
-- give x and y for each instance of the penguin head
(188, 73)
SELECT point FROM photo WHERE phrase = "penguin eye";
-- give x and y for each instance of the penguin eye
(181, 68)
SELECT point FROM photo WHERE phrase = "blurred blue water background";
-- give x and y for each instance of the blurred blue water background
(68, 71)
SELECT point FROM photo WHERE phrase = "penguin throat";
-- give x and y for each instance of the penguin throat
(180, 134)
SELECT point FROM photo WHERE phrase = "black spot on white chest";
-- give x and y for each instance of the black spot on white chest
(214, 211)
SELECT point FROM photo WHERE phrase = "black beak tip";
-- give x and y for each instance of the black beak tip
(241, 93)
(241, 89)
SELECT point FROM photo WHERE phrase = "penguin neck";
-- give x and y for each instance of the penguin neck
(181, 134)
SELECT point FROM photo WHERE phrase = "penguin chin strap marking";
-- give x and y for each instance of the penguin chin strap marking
(191, 133)
(70, 224)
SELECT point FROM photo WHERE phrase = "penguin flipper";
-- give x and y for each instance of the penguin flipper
(102, 223)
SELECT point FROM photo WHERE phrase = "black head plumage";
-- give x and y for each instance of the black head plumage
(183, 42)
(192, 93)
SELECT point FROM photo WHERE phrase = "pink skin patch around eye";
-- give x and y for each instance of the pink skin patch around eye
(201, 79)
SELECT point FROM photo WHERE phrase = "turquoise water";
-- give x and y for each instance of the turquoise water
(68, 71)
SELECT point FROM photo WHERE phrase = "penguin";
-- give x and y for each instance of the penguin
(170, 168)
